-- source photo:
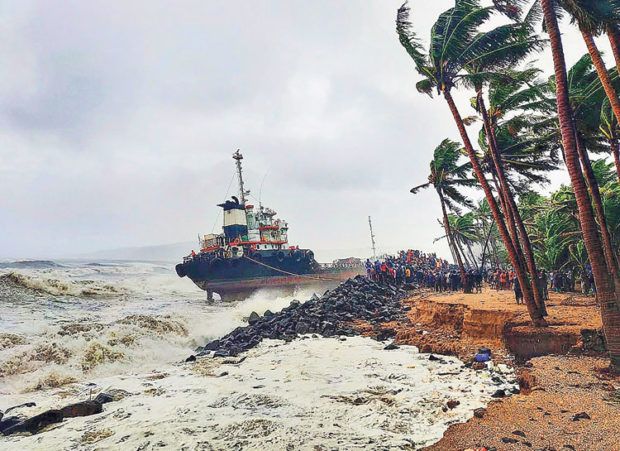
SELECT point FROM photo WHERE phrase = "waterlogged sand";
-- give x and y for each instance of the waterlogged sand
(312, 392)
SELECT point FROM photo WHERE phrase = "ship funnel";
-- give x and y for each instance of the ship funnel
(235, 222)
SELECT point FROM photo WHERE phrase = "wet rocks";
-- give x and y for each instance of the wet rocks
(581, 416)
(17, 424)
(254, 318)
(479, 413)
(329, 315)
(104, 398)
(452, 403)
(499, 394)
(35, 423)
(82, 409)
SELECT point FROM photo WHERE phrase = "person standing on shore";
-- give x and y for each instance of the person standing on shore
(543, 285)
(518, 292)
(384, 274)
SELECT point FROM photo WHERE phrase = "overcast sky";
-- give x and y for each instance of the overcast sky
(118, 120)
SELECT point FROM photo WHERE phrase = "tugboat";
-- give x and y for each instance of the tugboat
(253, 252)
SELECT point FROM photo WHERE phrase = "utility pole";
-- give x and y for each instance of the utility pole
(237, 156)
(372, 240)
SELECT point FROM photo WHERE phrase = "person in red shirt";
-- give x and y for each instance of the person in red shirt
(383, 272)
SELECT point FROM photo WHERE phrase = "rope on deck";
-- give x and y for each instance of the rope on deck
(290, 273)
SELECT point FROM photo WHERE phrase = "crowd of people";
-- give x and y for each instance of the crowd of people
(428, 271)
(425, 270)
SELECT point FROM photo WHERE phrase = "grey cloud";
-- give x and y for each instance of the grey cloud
(118, 119)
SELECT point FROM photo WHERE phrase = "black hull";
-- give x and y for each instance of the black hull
(236, 278)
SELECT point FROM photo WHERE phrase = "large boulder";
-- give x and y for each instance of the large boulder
(254, 318)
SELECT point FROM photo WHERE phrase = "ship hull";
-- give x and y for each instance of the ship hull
(238, 278)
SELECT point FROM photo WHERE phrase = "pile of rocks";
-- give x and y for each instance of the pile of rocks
(329, 315)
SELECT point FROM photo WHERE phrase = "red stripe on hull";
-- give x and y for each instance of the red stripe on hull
(235, 286)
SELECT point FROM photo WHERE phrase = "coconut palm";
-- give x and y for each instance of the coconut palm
(613, 32)
(610, 128)
(586, 97)
(610, 307)
(591, 16)
(447, 175)
(552, 238)
(465, 234)
(512, 97)
(456, 43)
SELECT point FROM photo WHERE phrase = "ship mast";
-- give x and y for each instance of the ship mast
(238, 157)
(372, 240)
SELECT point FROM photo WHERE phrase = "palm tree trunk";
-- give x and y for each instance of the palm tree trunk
(486, 245)
(446, 225)
(509, 220)
(601, 70)
(612, 267)
(512, 209)
(615, 149)
(610, 310)
(471, 253)
(614, 39)
(451, 248)
(495, 253)
(534, 312)
(459, 245)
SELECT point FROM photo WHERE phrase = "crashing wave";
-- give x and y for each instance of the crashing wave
(54, 287)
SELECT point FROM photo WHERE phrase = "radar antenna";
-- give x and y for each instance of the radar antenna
(372, 240)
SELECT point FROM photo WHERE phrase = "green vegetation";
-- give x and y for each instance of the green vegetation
(529, 126)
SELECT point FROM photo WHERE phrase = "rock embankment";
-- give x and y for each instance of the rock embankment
(328, 315)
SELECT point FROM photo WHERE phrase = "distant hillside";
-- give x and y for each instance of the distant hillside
(163, 252)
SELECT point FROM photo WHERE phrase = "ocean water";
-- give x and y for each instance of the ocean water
(72, 329)
(139, 315)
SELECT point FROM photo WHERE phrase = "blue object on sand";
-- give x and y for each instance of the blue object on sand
(482, 357)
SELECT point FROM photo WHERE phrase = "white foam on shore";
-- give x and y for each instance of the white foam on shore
(73, 325)
(338, 394)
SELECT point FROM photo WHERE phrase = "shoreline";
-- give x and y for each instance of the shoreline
(567, 400)
(564, 401)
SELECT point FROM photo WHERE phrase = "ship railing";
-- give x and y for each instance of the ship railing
(340, 265)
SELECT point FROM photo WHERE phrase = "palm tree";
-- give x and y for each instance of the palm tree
(610, 128)
(465, 234)
(590, 16)
(511, 211)
(613, 32)
(455, 44)
(586, 97)
(610, 308)
(446, 176)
